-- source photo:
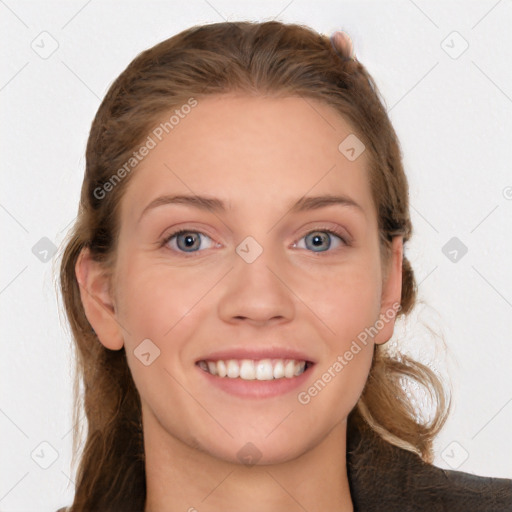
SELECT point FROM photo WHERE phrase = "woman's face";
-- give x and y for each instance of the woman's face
(254, 279)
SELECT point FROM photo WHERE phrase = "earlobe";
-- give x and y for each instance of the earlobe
(98, 305)
(391, 292)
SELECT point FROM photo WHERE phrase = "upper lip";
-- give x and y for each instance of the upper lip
(257, 354)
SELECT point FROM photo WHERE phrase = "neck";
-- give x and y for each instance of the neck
(181, 478)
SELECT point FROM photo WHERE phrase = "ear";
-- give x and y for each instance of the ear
(391, 291)
(98, 305)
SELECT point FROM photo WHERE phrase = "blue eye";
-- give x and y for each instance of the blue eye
(189, 241)
(321, 239)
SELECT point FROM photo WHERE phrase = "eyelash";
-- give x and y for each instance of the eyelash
(331, 231)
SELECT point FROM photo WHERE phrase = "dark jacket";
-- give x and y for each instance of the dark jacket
(398, 490)
(407, 484)
(385, 478)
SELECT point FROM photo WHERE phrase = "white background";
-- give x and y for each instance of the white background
(453, 118)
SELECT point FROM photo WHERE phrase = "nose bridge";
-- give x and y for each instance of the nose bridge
(256, 290)
(262, 258)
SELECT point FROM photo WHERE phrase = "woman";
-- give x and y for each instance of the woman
(234, 273)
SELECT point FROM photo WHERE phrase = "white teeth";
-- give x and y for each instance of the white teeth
(264, 370)
(299, 368)
(289, 370)
(233, 369)
(247, 369)
(221, 369)
(212, 367)
(279, 370)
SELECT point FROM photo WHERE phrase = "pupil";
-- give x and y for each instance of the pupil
(318, 239)
(186, 241)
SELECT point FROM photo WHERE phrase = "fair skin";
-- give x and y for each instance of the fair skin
(258, 155)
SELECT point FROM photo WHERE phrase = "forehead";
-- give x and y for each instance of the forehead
(251, 150)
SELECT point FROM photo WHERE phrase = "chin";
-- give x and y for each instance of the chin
(256, 451)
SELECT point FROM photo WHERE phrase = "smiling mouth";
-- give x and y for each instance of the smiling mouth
(250, 369)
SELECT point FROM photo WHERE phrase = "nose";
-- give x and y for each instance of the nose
(258, 290)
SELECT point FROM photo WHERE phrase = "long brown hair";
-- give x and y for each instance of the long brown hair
(269, 58)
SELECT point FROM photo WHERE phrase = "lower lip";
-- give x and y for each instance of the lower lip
(256, 388)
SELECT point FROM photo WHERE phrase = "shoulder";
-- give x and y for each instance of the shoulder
(63, 509)
(383, 477)
(467, 491)
(408, 484)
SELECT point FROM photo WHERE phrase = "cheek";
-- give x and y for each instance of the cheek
(162, 304)
(346, 299)
(349, 305)
(177, 307)
(153, 298)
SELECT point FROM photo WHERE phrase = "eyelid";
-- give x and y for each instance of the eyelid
(345, 240)
(167, 238)
(332, 229)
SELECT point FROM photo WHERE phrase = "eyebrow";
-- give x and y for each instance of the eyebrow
(214, 204)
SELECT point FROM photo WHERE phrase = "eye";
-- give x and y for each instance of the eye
(189, 241)
(186, 241)
(321, 239)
